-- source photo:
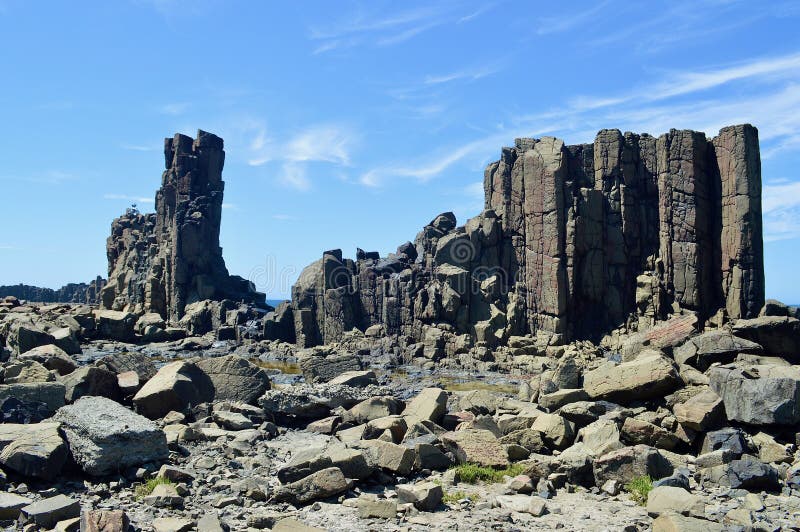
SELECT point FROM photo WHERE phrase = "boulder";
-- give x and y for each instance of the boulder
(429, 404)
(314, 401)
(175, 386)
(649, 375)
(116, 325)
(105, 437)
(11, 504)
(374, 408)
(320, 485)
(356, 378)
(12, 410)
(26, 371)
(666, 499)
(759, 395)
(600, 437)
(701, 412)
(727, 439)
(388, 456)
(317, 367)
(234, 379)
(476, 446)
(47, 512)
(635, 431)
(37, 451)
(778, 335)
(90, 380)
(49, 393)
(118, 363)
(425, 496)
(52, 357)
(104, 521)
(26, 337)
(629, 463)
(556, 431)
(711, 347)
(672, 522)
(745, 473)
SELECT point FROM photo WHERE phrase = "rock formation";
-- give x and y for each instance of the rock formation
(69, 293)
(163, 261)
(575, 241)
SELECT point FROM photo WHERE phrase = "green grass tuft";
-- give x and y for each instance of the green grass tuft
(143, 490)
(452, 497)
(638, 489)
(473, 473)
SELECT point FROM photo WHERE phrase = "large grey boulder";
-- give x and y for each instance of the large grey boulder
(105, 437)
(116, 325)
(746, 473)
(713, 346)
(649, 375)
(35, 450)
(317, 367)
(50, 393)
(314, 401)
(234, 379)
(175, 386)
(90, 380)
(52, 357)
(320, 485)
(25, 337)
(779, 335)
(759, 395)
(118, 363)
(629, 463)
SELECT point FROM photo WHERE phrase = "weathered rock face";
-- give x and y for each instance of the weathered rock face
(69, 293)
(575, 241)
(163, 261)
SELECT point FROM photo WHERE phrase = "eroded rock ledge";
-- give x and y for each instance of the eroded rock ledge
(575, 241)
(161, 262)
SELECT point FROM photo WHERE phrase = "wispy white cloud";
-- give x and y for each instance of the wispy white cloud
(781, 211)
(568, 21)
(328, 143)
(128, 197)
(294, 175)
(230, 206)
(48, 177)
(175, 108)
(470, 74)
(140, 147)
(477, 13)
(283, 217)
(385, 29)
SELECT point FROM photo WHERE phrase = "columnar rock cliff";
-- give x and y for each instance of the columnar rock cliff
(574, 241)
(163, 261)
(69, 293)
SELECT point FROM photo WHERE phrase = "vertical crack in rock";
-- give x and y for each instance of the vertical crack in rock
(163, 261)
(574, 241)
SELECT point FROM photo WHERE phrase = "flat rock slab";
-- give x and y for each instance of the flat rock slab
(47, 512)
(105, 437)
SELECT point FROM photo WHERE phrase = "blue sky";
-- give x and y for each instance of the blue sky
(354, 123)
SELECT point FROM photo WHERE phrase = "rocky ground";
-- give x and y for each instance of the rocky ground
(112, 421)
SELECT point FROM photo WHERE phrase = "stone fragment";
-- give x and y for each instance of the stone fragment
(164, 496)
(713, 346)
(388, 456)
(90, 380)
(672, 522)
(745, 473)
(104, 521)
(425, 496)
(429, 404)
(47, 512)
(50, 393)
(779, 335)
(701, 412)
(11, 504)
(629, 463)
(666, 499)
(320, 485)
(476, 446)
(356, 378)
(35, 451)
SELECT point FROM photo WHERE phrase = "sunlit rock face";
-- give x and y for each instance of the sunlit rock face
(163, 261)
(575, 241)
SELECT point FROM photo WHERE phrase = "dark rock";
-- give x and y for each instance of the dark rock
(147, 271)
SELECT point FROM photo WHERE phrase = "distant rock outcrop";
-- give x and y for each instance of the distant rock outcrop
(575, 241)
(163, 261)
(69, 293)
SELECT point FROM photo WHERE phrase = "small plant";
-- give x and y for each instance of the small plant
(452, 497)
(473, 473)
(143, 490)
(638, 488)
